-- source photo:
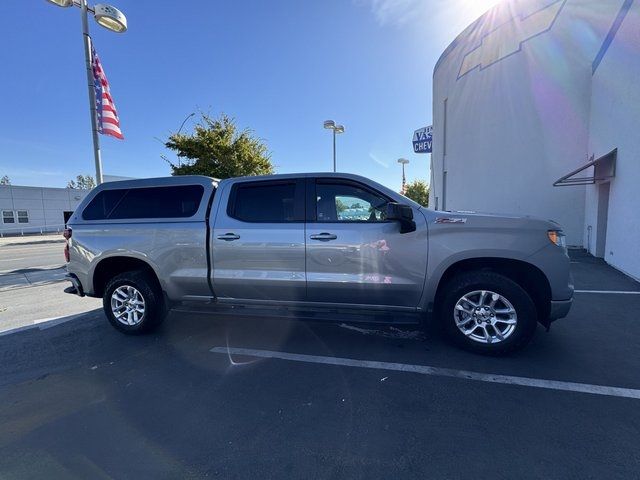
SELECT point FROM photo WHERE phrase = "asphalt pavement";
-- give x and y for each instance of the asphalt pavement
(32, 252)
(31, 292)
(221, 397)
(25, 306)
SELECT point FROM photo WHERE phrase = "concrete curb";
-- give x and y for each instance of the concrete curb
(31, 239)
(26, 278)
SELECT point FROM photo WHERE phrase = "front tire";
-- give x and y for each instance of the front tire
(133, 303)
(487, 313)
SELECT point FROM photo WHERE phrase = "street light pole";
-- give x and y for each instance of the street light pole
(334, 150)
(331, 125)
(185, 121)
(403, 162)
(92, 92)
(112, 19)
(180, 129)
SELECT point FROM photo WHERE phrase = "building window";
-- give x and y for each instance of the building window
(23, 216)
(7, 217)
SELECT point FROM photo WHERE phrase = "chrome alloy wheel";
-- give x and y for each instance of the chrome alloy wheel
(127, 305)
(485, 316)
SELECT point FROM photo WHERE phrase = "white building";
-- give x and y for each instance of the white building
(36, 209)
(532, 92)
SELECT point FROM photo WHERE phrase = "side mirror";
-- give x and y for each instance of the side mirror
(403, 214)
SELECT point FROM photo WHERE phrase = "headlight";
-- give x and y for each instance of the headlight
(558, 238)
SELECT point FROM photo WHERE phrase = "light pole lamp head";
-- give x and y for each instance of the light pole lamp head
(403, 161)
(330, 124)
(110, 18)
(339, 129)
(62, 3)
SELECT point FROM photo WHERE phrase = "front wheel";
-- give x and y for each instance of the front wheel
(133, 303)
(487, 313)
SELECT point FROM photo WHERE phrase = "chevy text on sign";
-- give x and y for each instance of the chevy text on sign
(422, 140)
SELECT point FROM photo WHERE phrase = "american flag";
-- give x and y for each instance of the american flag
(108, 122)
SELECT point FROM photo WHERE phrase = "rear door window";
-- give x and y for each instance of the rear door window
(267, 202)
(180, 201)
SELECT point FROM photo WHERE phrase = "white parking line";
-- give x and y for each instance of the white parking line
(436, 371)
(620, 292)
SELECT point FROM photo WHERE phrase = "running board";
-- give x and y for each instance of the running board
(325, 314)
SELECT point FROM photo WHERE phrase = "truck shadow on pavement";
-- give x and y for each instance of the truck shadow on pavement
(565, 353)
(80, 398)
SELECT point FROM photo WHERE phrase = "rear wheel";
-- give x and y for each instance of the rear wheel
(487, 313)
(133, 302)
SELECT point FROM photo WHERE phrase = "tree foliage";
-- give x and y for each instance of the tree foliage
(5, 180)
(418, 191)
(82, 182)
(217, 148)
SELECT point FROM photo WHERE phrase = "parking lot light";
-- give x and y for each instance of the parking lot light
(62, 3)
(110, 18)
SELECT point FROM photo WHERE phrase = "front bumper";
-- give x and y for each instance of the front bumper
(559, 309)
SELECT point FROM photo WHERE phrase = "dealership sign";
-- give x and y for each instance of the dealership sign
(422, 140)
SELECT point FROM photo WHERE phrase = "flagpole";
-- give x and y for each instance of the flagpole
(92, 91)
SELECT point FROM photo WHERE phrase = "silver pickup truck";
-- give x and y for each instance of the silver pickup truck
(318, 246)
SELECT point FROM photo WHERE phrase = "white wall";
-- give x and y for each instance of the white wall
(45, 206)
(615, 123)
(521, 121)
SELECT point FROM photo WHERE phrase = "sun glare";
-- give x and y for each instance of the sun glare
(475, 8)
(456, 15)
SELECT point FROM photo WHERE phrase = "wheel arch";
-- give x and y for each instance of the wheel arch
(525, 274)
(111, 266)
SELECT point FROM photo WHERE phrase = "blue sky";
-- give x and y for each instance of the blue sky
(279, 67)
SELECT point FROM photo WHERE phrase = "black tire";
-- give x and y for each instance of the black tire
(465, 283)
(154, 306)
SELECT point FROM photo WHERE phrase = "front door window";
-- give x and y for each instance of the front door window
(348, 203)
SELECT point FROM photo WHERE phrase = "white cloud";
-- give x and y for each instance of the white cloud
(444, 16)
(395, 12)
(377, 160)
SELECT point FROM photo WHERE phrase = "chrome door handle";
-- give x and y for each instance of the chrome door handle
(228, 237)
(323, 236)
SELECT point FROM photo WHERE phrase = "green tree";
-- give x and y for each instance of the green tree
(418, 191)
(82, 182)
(218, 149)
(5, 180)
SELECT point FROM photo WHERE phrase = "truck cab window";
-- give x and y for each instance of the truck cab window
(348, 203)
(264, 203)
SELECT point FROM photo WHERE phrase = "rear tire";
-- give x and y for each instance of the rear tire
(487, 313)
(133, 303)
